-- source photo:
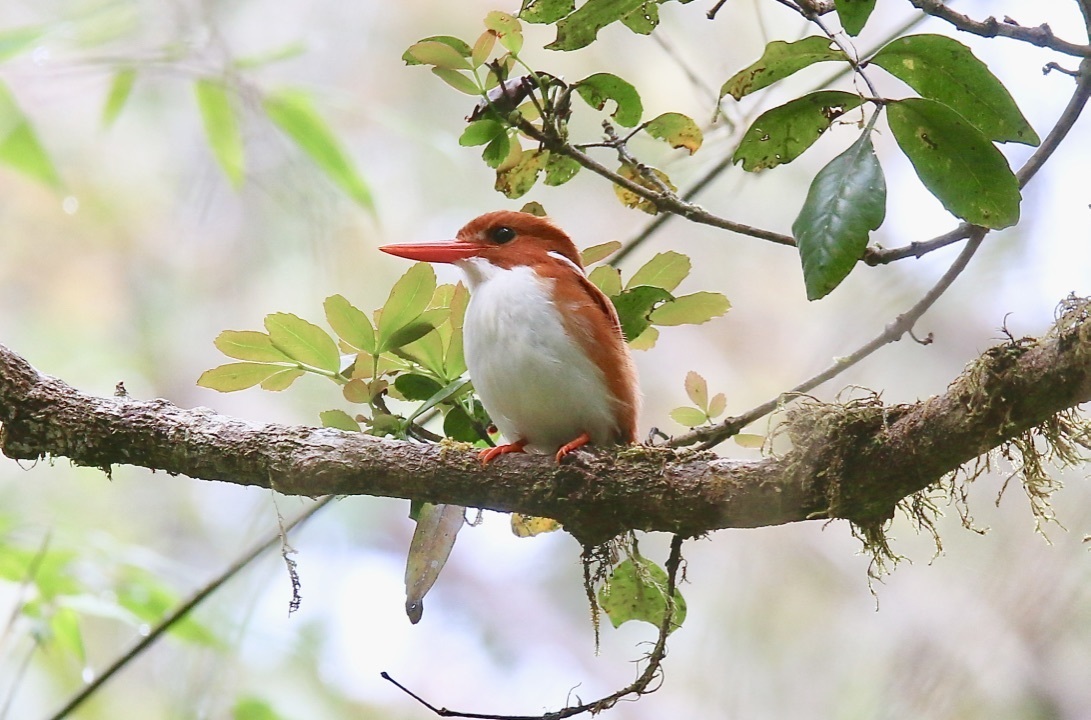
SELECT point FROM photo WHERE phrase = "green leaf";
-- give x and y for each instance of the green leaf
(697, 390)
(517, 180)
(251, 708)
(65, 627)
(847, 200)
(693, 309)
(717, 405)
(634, 306)
(440, 54)
(19, 145)
(408, 299)
(854, 14)
(546, 12)
(268, 57)
(237, 376)
(282, 380)
(637, 590)
(458, 425)
(780, 60)
(293, 113)
(534, 208)
(339, 420)
(435, 535)
(644, 19)
(303, 341)
(350, 323)
(497, 150)
(580, 28)
(956, 162)
(678, 130)
(120, 89)
(645, 340)
(416, 387)
(666, 270)
(559, 169)
(249, 345)
(507, 28)
(459, 81)
(607, 279)
(16, 40)
(142, 594)
(480, 132)
(221, 128)
(457, 44)
(598, 88)
(782, 134)
(748, 440)
(688, 416)
(943, 69)
(451, 391)
(598, 253)
(407, 334)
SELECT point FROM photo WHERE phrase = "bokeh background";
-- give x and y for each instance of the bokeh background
(147, 254)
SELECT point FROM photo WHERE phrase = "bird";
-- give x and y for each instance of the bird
(543, 346)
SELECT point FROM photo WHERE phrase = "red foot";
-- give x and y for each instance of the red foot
(568, 447)
(487, 456)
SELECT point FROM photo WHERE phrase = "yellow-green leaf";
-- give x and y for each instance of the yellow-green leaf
(350, 323)
(748, 440)
(693, 309)
(458, 45)
(303, 341)
(282, 380)
(676, 129)
(517, 180)
(439, 54)
(598, 253)
(666, 270)
(645, 340)
(293, 113)
(17, 40)
(237, 376)
(529, 526)
(249, 345)
(339, 419)
(607, 279)
(637, 590)
(457, 80)
(688, 416)
(120, 89)
(697, 389)
(408, 299)
(221, 127)
(630, 198)
(483, 48)
(20, 148)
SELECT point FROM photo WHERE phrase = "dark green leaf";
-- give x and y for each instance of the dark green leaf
(406, 334)
(249, 345)
(634, 306)
(459, 46)
(293, 113)
(120, 89)
(781, 135)
(237, 376)
(637, 590)
(780, 60)
(847, 200)
(221, 127)
(416, 387)
(497, 150)
(452, 390)
(339, 420)
(517, 180)
(693, 309)
(943, 69)
(598, 88)
(545, 12)
(559, 169)
(666, 270)
(481, 132)
(676, 129)
(16, 40)
(956, 162)
(644, 18)
(854, 14)
(303, 341)
(580, 28)
(350, 323)
(458, 425)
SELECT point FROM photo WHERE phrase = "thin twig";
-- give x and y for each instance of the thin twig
(184, 609)
(1042, 35)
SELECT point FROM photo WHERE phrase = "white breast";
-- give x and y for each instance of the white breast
(533, 379)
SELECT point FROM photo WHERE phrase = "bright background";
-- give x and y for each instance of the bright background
(148, 254)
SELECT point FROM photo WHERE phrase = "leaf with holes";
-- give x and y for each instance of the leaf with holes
(635, 305)
(847, 200)
(599, 88)
(782, 134)
(676, 129)
(943, 69)
(545, 12)
(629, 198)
(637, 590)
(517, 180)
(559, 169)
(956, 162)
(780, 60)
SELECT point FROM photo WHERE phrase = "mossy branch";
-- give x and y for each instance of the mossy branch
(854, 460)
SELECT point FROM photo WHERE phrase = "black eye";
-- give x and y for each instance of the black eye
(501, 234)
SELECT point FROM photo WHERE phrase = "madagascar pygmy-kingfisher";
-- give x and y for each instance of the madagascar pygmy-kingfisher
(543, 345)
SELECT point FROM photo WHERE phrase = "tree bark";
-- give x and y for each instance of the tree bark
(854, 461)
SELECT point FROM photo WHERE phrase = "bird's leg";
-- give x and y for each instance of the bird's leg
(492, 453)
(568, 447)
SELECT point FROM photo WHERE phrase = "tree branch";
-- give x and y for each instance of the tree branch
(829, 473)
(1042, 35)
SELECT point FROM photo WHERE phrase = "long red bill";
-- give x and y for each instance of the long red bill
(445, 252)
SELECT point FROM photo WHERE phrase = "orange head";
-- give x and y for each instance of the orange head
(503, 238)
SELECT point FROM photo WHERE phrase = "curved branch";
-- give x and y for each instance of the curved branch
(830, 473)
(1042, 35)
